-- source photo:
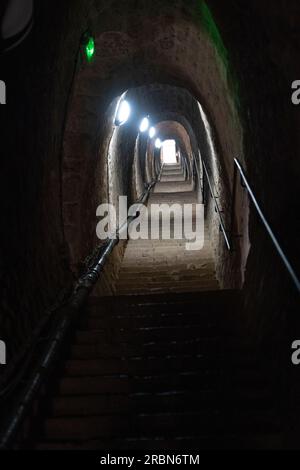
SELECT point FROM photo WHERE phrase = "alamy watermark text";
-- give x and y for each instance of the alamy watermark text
(2, 92)
(2, 353)
(156, 222)
(296, 93)
(296, 353)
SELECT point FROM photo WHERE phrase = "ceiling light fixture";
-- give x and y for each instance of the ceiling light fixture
(123, 113)
(144, 126)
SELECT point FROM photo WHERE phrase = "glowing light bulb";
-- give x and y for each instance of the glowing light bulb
(158, 143)
(152, 132)
(144, 125)
(123, 113)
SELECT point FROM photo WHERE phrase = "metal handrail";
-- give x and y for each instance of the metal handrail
(69, 313)
(222, 223)
(40, 335)
(285, 260)
(200, 179)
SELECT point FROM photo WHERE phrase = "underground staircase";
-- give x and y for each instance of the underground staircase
(159, 372)
(166, 266)
(160, 365)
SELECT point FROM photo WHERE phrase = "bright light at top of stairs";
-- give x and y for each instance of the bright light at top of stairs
(169, 152)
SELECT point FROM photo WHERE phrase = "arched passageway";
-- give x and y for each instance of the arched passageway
(149, 337)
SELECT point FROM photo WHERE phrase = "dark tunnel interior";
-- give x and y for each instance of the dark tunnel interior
(122, 343)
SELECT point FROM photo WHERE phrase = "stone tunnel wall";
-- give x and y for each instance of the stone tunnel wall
(34, 256)
(264, 57)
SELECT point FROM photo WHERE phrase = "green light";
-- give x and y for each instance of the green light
(212, 29)
(205, 16)
(90, 49)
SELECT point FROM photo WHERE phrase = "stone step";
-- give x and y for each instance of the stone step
(161, 278)
(220, 302)
(171, 424)
(138, 365)
(171, 401)
(270, 441)
(156, 319)
(132, 309)
(165, 268)
(179, 249)
(212, 344)
(162, 261)
(168, 283)
(117, 350)
(139, 403)
(188, 380)
(146, 334)
(157, 349)
(165, 289)
(76, 386)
